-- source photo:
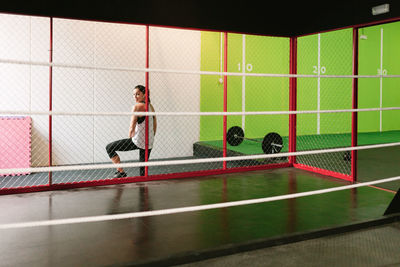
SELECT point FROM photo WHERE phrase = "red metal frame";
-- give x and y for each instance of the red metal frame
(353, 175)
(64, 186)
(293, 121)
(146, 169)
(354, 119)
(354, 115)
(324, 172)
(224, 170)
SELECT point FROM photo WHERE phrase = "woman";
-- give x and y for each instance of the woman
(137, 133)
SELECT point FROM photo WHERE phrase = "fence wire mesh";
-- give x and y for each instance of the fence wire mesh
(87, 87)
(325, 54)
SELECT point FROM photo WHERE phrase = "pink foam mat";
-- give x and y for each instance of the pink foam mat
(15, 143)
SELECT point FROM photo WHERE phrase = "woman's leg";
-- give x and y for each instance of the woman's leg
(117, 160)
(142, 158)
(119, 145)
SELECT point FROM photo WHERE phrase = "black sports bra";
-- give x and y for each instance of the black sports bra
(141, 119)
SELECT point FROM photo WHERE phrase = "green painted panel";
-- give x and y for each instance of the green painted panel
(211, 93)
(370, 64)
(263, 54)
(336, 93)
(234, 83)
(307, 58)
(368, 88)
(267, 55)
(335, 58)
(391, 66)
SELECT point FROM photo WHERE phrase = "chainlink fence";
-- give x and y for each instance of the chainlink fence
(65, 113)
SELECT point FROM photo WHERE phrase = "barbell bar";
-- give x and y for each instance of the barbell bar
(272, 142)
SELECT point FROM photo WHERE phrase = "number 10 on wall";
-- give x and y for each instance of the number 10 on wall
(382, 72)
(249, 67)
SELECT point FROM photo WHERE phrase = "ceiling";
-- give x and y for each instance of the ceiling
(278, 18)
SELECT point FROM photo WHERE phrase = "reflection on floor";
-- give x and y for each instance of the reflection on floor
(160, 237)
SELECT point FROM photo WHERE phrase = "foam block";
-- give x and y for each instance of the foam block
(15, 143)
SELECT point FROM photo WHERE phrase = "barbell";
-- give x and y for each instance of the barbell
(272, 142)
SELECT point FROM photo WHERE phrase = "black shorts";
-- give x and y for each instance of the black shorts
(124, 145)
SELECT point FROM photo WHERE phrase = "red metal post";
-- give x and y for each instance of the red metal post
(339, 175)
(293, 99)
(225, 96)
(354, 115)
(50, 100)
(146, 169)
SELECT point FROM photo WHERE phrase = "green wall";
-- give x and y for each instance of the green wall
(211, 91)
(334, 50)
(329, 53)
(267, 55)
(370, 64)
(262, 55)
(336, 59)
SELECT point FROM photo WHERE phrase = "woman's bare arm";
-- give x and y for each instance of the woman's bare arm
(154, 121)
(134, 119)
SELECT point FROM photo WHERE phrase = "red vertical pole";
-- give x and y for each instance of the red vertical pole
(146, 169)
(354, 115)
(51, 100)
(225, 96)
(293, 99)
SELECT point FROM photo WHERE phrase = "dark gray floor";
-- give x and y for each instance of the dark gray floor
(148, 239)
(378, 246)
(375, 164)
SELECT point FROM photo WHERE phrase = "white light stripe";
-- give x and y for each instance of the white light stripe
(187, 209)
(319, 86)
(189, 161)
(94, 95)
(183, 114)
(244, 81)
(221, 60)
(380, 83)
(30, 67)
(63, 65)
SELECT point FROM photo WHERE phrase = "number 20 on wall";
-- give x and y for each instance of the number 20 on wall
(321, 69)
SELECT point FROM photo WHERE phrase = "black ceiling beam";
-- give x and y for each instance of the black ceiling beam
(279, 18)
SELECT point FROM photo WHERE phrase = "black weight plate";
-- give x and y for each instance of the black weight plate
(272, 143)
(235, 136)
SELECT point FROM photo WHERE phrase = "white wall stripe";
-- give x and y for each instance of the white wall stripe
(221, 54)
(319, 86)
(381, 83)
(244, 81)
